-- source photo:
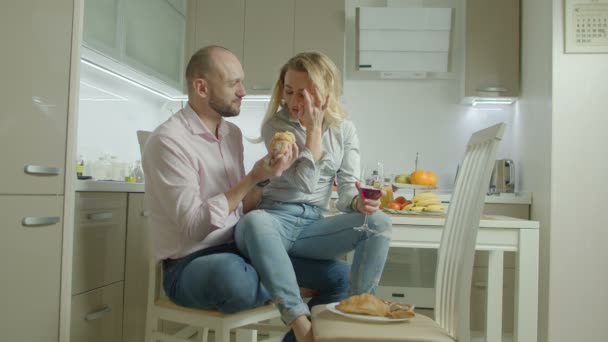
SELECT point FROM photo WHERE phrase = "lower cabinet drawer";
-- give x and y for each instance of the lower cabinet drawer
(99, 240)
(97, 315)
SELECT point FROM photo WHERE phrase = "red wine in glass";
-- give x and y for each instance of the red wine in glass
(369, 192)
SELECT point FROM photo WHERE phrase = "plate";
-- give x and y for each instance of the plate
(332, 307)
(413, 186)
(408, 212)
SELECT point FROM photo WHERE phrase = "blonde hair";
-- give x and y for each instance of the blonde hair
(324, 75)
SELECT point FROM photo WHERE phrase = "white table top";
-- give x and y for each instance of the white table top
(487, 221)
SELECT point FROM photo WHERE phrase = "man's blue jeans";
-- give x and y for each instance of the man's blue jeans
(220, 278)
(277, 231)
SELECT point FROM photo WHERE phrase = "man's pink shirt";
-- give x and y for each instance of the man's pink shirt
(187, 171)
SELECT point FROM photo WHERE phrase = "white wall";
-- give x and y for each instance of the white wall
(579, 161)
(532, 127)
(111, 111)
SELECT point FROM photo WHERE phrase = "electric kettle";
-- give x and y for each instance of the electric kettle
(503, 177)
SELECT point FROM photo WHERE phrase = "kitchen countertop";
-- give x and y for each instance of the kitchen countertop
(115, 186)
(108, 186)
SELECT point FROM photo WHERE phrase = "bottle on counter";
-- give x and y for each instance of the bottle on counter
(138, 172)
(80, 166)
(387, 186)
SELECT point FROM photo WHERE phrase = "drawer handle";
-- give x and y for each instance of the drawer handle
(39, 170)
(145, 213)
(100, 216)
(398, 295)
(260, 87)
(40, 221)
(492, 90)
(98, 314)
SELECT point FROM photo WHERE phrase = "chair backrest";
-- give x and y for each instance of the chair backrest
(142, 137)
(457, 247)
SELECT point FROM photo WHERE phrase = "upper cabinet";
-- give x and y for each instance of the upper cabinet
(101, 26)
(492, 63)
(35, 83)
(146, 35)
(319, 25)
(265, 34)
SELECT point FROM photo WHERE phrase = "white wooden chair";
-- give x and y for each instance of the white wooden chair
(160, 309)
(454, 264)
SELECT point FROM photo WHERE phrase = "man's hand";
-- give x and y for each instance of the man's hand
(282, 162)
(273, 166)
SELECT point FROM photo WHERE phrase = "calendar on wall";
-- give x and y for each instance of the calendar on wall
(586, 26)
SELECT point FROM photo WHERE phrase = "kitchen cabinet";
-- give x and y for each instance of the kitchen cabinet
(136, 270)
(37, 52)
(492, 48)
(268, 43)
(146, 35)
(99, 240)
(154, 37)
(98, 267)
(29, 289)
(34, 111)
(101, 26)
(265, 35)
(97, 315)
(319, 25)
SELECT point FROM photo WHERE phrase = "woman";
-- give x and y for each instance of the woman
(290, 221)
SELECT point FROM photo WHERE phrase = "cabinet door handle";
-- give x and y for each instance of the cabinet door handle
(492, 90)
(40, 221)
(40, 170)
(100, 216)
(98, 314)
(260, 87)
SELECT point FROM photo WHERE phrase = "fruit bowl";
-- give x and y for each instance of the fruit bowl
(413, 186)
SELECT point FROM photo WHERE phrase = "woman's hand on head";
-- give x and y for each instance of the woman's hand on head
(312, 110)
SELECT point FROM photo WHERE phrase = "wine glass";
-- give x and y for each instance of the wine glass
(370, 187)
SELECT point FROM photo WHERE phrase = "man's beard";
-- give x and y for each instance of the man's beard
(222, 108)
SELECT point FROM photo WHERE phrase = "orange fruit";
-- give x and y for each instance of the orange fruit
(422, 177)
(394, 205)
(404, 204)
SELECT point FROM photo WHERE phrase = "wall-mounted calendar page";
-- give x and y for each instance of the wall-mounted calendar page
(586, 26)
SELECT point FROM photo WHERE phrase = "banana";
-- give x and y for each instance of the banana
(417, 209)
(424, 195)
(408, 207)
(429, 201)
(438, 208)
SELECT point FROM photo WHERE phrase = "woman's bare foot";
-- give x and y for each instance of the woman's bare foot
(302, 328)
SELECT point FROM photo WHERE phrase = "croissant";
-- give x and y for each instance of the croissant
(368, 304)
(365, 304)
(281, 142)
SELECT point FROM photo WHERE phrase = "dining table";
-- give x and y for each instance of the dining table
(497, 235)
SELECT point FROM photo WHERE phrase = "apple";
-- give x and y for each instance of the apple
(403, 178)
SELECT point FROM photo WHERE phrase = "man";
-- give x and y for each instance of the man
(197, 190)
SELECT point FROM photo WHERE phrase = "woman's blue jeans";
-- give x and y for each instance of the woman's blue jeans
(270, 235)
(220, 278)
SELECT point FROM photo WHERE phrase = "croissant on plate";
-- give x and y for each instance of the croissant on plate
(367, 304)
(281, 142)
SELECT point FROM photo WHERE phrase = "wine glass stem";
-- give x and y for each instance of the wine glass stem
(365, 221)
